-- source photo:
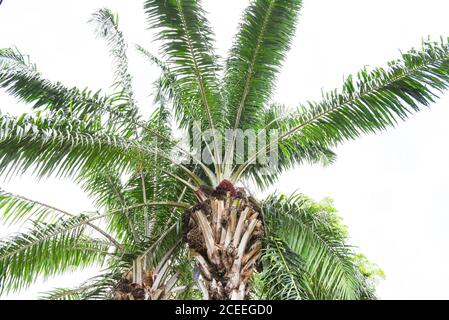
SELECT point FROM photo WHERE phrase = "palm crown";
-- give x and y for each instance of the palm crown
(149, 204)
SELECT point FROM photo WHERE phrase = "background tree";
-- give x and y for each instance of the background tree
(102, 142)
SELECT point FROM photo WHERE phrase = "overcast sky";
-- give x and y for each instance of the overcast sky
(391, 189)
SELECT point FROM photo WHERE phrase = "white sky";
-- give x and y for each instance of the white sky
(391, 189)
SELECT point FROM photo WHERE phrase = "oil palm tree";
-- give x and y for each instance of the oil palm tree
(164, 228)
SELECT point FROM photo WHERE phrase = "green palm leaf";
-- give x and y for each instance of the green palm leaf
(96, 288)
(60, 145)
(314, 233)
(290, 152)
(15, 209)
(21, 79)
(377, 99)
(373, 101)
(47, 250)
(254, 61)
(187, 42)
(107, 27)
(18, 208)
(284, 276)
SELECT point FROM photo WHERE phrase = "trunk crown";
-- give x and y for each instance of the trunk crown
(224, 232)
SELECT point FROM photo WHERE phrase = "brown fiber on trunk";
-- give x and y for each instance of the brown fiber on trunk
(224, 232)
(151, 288)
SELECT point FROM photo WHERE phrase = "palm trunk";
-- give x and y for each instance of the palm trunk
(150, 287)
(224, 231)
(156, 284)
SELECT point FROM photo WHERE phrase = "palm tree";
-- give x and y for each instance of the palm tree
(149, 204)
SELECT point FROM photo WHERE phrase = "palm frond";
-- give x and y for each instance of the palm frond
(289, 152)
(11, 58)
(284, 276)
(166, 84)
(107, 28)
(96, 288)
(64, 146)
(254, 61)
(60, 145)
(377, 99)
(21, 79)
(372, 101)
(187, 42)
(15, 209)
(63, 294)
(163, 65)
(126, 225)
(28, 85)
(153, 181)
(316, 235)
(47, 250)
(109, 191)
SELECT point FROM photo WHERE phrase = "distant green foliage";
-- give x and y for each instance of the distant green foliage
(309, 237)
